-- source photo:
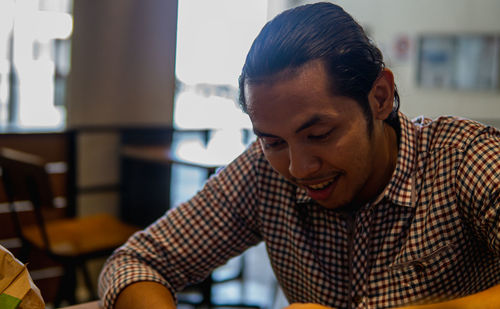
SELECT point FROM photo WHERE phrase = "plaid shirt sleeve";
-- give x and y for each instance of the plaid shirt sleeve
(478, 180)
(186, 244)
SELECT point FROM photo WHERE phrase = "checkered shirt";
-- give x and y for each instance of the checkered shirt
(433, 235)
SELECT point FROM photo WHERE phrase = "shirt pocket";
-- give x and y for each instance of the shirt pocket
(428, 272)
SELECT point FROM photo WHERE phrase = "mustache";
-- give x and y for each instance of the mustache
(316, 178)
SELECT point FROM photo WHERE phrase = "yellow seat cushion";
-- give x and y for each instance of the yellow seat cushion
(84, 235)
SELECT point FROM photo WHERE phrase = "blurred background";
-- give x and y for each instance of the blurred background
(135, 101)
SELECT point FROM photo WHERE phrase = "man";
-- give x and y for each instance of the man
(359, 207)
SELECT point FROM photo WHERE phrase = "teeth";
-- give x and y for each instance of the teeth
(320, 186)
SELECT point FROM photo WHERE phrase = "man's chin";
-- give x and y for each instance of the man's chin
(333, 204)
(340, 206)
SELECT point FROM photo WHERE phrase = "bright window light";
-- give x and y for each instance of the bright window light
(53, 25)
(213, 38)
(34, 37)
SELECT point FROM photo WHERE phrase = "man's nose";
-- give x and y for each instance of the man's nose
(303, 163)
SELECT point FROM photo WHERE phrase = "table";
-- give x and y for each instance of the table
(146, 179)
(164, 155)
(89, 305)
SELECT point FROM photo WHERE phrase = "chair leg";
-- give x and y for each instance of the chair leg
(206, 291)
(24, 254)
(88, 281)
(67, 286)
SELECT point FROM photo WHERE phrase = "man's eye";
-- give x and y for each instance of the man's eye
(321, 136)
(272, 143)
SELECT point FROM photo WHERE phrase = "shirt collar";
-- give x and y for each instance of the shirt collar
(399, 189)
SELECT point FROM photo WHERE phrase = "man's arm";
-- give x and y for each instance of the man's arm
(145, 294)
(478, 187)
(188, 242)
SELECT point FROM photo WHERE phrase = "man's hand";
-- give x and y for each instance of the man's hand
(145, 295)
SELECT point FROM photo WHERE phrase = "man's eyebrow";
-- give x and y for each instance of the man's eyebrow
(312, 121)
(262, 134)
(309, 123)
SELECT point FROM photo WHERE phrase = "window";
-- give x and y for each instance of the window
(213, 38)
(34, 62)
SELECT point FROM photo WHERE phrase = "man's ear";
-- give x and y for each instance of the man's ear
(381, 96)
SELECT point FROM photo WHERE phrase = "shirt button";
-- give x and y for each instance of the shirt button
(357, 299)
(419, 267)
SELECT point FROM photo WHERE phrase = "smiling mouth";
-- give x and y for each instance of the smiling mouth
(322, 185)
(321, 191)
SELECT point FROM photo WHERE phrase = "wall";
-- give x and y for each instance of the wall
(388, 19)
(122, 77)
(122, 69)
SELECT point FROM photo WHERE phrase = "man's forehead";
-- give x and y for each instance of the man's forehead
(288, 73)
(312, 71)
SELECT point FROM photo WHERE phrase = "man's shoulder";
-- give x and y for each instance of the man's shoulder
(252, 160)
(254, 154)
(450, 132)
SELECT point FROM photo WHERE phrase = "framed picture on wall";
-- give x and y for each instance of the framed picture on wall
(468, 61)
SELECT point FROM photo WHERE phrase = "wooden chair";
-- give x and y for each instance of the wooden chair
(69, 241)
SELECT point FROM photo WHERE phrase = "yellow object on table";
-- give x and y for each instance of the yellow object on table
(17, 290)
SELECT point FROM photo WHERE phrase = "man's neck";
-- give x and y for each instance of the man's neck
(386, 163)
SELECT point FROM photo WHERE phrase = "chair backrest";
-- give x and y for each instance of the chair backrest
(25, 178)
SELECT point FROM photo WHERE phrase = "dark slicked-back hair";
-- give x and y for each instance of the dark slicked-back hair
(320, 31)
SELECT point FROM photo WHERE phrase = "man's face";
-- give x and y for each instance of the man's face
(317, 140)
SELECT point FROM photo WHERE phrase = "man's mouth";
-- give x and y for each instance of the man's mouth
(321, 185)
(322, 190)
